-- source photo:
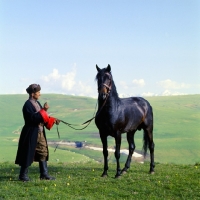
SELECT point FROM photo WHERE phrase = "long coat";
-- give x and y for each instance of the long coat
(28, 138)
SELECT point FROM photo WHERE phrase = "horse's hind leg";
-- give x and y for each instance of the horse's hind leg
(149, 137)
(151, 149)
(130, 139)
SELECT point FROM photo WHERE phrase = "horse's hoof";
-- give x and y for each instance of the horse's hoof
(117, 176)
(152, 172)
(123, 172)
(104, 175)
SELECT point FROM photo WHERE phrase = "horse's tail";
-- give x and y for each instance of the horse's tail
(145, 143)
(148, 132)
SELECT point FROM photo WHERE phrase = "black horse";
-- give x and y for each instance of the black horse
(122, 115)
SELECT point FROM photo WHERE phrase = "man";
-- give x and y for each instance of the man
(32, 143)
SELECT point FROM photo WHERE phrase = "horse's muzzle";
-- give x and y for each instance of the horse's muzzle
(103, 92)
(104, 95)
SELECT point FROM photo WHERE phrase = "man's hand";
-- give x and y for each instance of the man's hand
(57, 121)
(46, 106)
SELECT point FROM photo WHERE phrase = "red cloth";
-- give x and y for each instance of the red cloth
(48, 121)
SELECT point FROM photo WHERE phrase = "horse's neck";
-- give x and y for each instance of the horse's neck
(113, 98)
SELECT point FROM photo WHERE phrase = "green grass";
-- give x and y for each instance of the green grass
(82, 181)
(176, 126)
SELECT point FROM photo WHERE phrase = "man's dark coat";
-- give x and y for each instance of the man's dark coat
(28, 138)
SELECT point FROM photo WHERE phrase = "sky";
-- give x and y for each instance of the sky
(153, 46)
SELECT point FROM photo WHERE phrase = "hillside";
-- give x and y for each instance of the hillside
(176, 127)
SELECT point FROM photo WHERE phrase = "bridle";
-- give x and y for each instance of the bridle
(108, 86)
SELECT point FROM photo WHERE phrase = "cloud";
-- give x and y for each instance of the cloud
(135, 83)
(66, 81)
(166, 93)
(66, 84)
(84, 87)
(138, 82)
(169, 84)
(169, 93)
(176, 88)
(148, 94)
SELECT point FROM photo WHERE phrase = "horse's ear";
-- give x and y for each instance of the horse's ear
(98, 69)
(108, 68)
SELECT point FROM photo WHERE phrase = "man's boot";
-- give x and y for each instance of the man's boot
(23, 175)
(44, 171)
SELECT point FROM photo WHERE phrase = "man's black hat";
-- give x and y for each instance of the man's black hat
(33, 88)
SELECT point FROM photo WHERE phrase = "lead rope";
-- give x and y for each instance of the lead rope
(58, 137)
(70, 125)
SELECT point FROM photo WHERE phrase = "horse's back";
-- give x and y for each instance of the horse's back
(136, 101)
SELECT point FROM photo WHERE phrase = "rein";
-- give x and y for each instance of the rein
(87, 122)
(90, 120)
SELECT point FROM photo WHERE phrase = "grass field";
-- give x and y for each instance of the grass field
(83, 182)
(176, 127)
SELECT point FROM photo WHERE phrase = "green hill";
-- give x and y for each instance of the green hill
(176, 127)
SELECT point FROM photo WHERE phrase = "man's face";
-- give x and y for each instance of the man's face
(36, 95)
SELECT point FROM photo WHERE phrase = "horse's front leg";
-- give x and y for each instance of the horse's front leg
(117, 153)
(105, 155)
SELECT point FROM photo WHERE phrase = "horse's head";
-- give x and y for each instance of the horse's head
(104, 81)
